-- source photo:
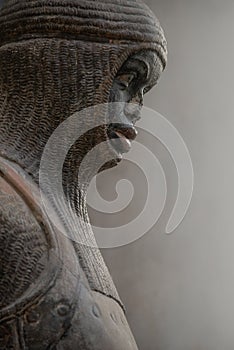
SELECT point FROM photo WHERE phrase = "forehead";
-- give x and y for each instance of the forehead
(148, 58)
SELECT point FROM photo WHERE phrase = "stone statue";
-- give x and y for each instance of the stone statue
(59, 57)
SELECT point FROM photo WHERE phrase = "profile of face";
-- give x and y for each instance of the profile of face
(139, 74)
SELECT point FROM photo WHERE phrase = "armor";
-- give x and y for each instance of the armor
(58, 310)
(57, 58)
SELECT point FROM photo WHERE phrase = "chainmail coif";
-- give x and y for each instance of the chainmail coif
(58, 57)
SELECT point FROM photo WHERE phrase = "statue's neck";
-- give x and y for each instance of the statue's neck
(44, 83)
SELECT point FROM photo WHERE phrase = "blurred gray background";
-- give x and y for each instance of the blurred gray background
(179, 289)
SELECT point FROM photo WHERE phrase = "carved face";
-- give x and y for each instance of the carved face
(135, 78)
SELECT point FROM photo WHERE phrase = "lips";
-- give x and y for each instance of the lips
(121, 137)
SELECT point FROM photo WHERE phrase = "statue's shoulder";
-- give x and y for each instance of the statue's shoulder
(15, 211)
(39, 269)
(26, 268)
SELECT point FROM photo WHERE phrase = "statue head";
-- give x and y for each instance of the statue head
(59, 57)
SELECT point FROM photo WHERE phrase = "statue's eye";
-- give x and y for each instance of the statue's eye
(125, 80)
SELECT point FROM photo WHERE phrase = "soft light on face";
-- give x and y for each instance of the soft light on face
(139, 74)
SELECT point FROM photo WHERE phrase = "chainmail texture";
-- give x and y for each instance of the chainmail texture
(105, 20)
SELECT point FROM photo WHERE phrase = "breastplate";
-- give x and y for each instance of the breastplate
(58, 310)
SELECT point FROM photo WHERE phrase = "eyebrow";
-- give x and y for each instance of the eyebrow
(142, 62)
(153, 71)
(154, 77)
